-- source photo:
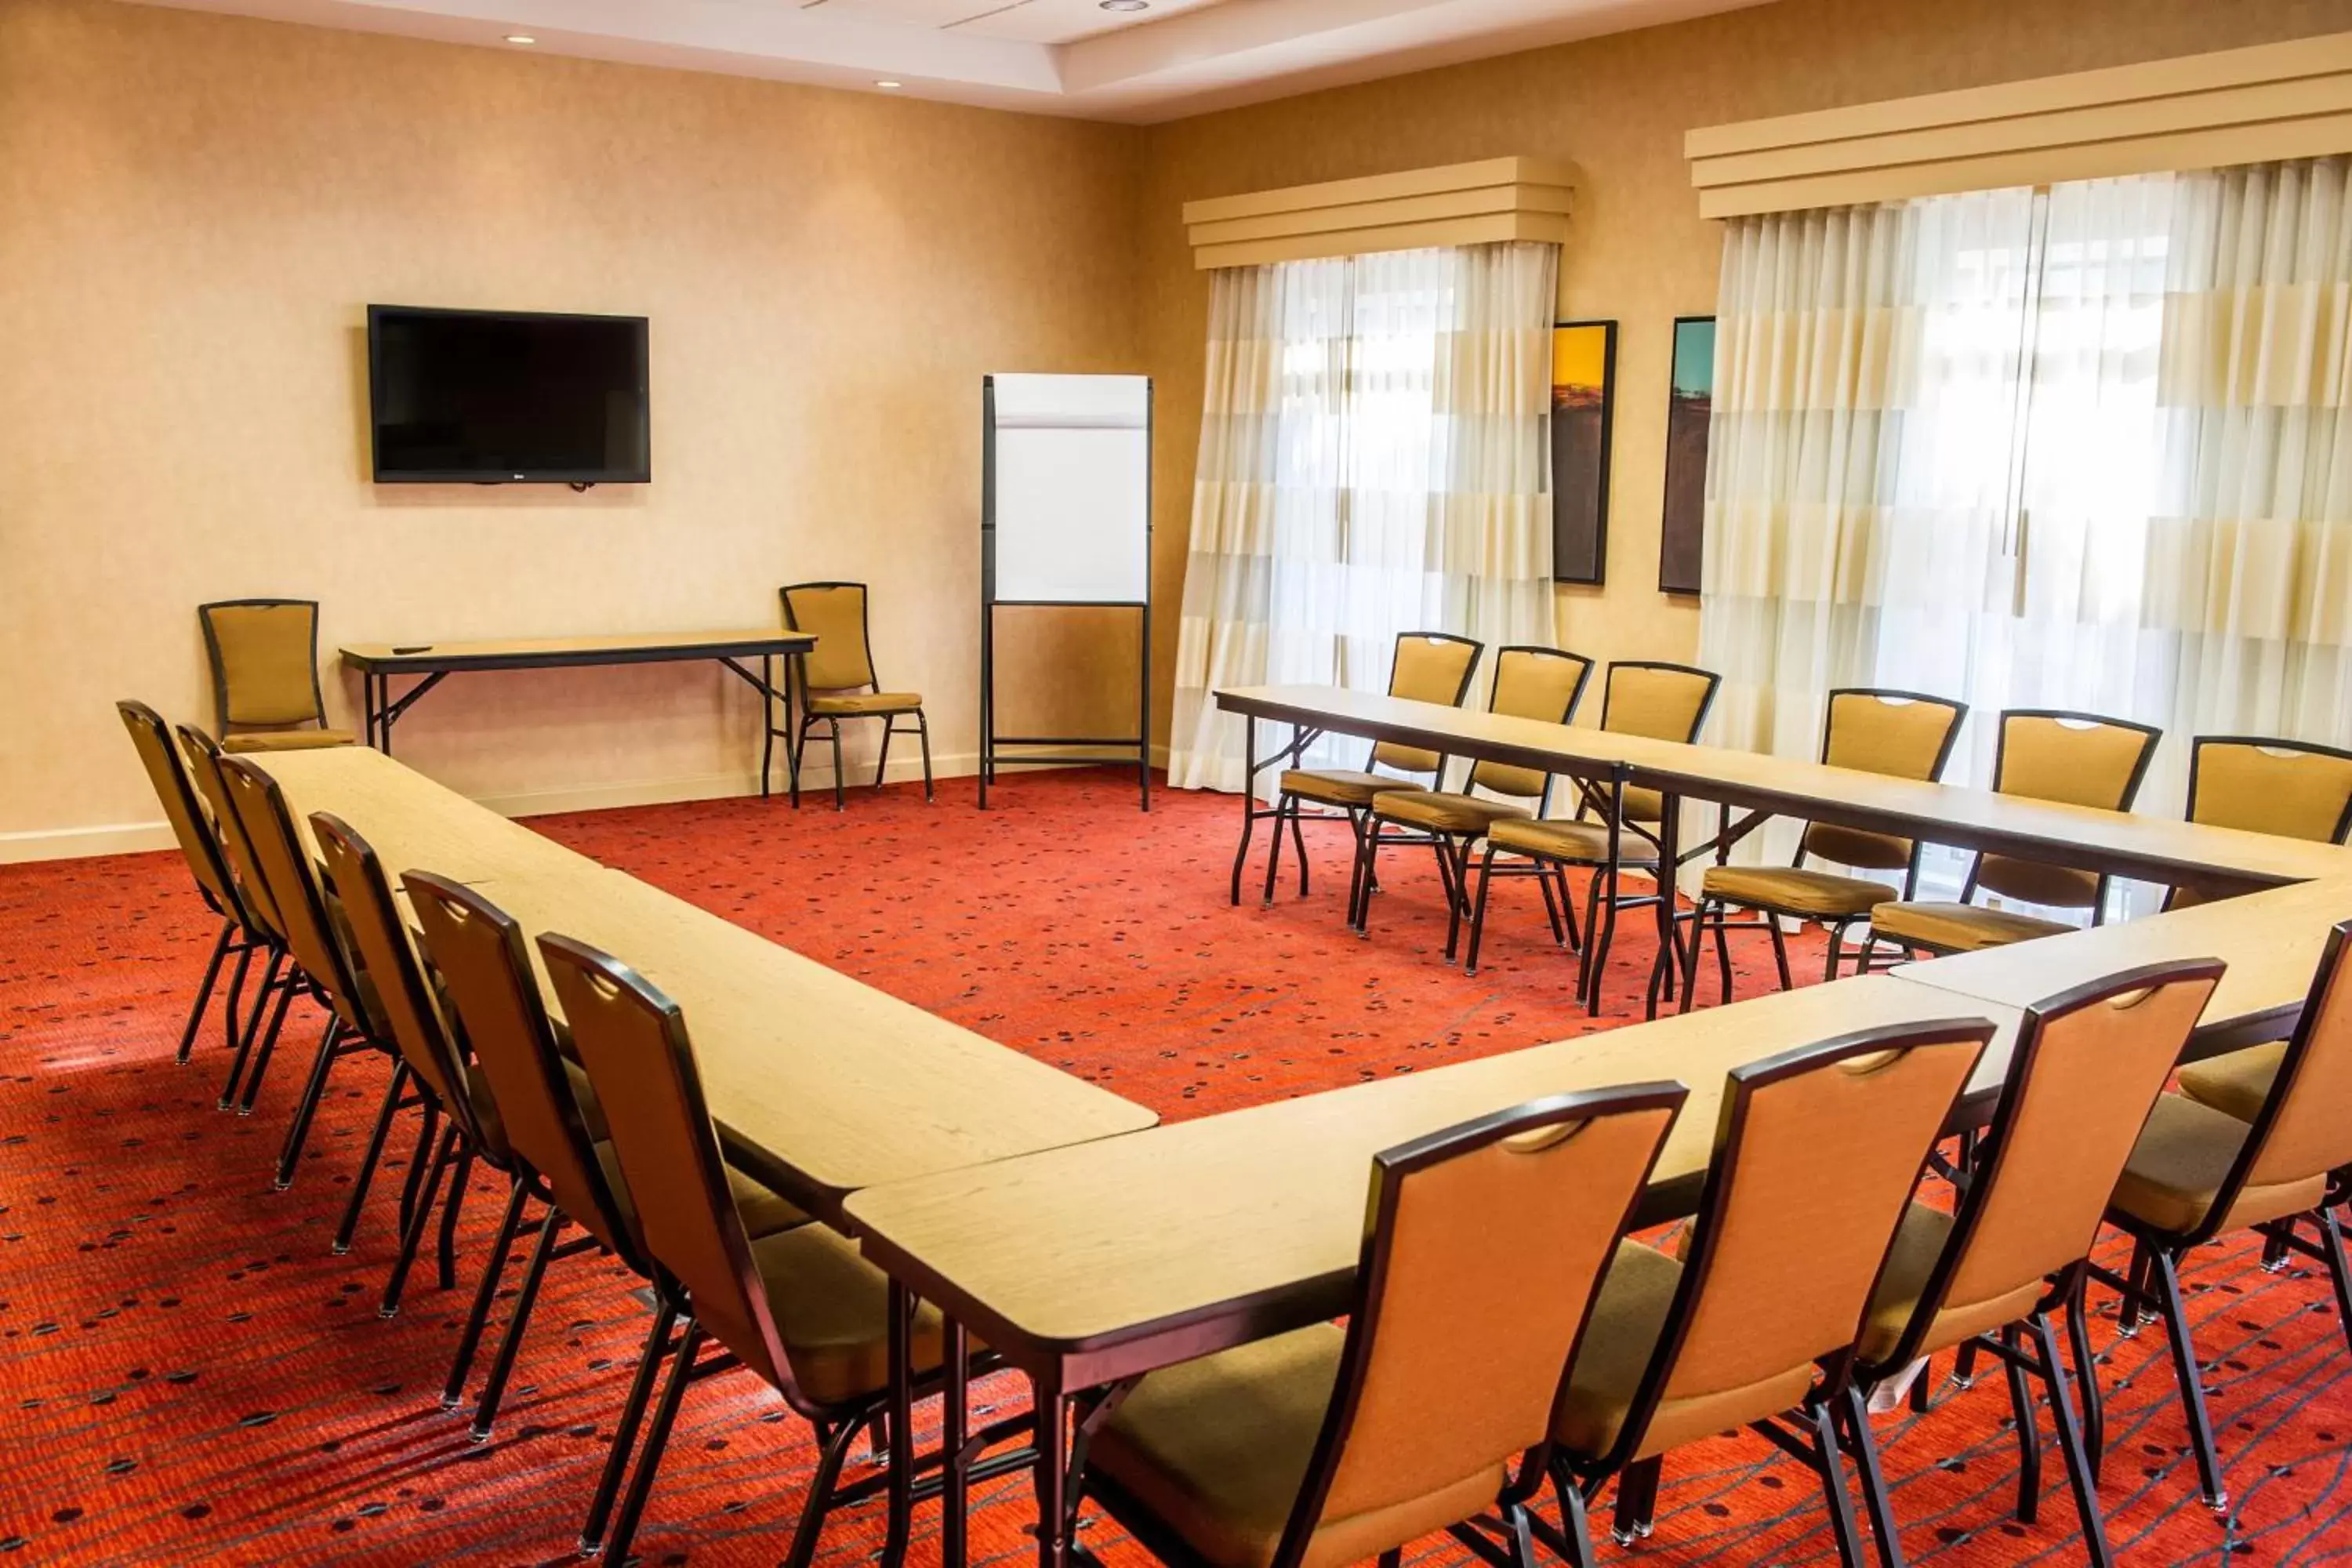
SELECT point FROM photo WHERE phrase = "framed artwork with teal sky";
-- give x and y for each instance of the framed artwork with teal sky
(1583, 404)
(1690, 410)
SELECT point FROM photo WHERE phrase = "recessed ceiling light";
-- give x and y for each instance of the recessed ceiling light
(887, 83)
(520, 39)
(1127, 5)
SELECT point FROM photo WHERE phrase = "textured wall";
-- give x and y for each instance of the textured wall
(194, 211)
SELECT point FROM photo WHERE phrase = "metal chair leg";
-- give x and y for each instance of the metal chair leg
(882, 757)
(641, 1485)
(366, 1176)
(1298, 847)
(450, 1207)
(2028, 1433)
(299, 1133)
(237, 1093)
(205, 989)
(923, 733)
(1841, 1525)
(840, 802)
(1285, 807)
(2331, 1247)
(2086, 1377)
(494, 1268)
(1780, 951)
(624, 1430)
(1478, 910)
(1576, 1531)
(1875, 1500)
(1460, 863)
(413, 1236)
(1689, 997)
(2070, 1444)
(2191, 1377)
(494, 1389)
(1637, 1497)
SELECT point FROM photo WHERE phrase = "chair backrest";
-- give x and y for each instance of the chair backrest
(484, 962)
(834, 614)
(419, 1030)
(1429, 666)
(632, 1040)
(2081, 758)
(192, 826)
(1484, 1247)
(294, 890)
(1662, 701)
(2296, 789)
(1543, 683)
(203, 755)
(2088, 1066)
(1816, 1154)
(1902, 734)
(265, 662)
(2302, 1132)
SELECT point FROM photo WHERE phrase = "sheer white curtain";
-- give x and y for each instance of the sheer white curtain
(1374, 458)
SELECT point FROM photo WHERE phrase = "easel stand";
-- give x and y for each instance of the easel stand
(1140, 742)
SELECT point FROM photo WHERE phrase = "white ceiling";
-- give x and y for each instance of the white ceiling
(1050, 57)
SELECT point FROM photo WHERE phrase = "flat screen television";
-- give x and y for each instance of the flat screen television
(506, 397)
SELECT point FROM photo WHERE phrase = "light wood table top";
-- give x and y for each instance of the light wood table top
(527, 653)
(2155, 848)
(1138, 1251)
(2270, 940)
(823, 1084)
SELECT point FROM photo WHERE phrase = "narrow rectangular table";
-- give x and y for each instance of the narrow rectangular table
(433, 662)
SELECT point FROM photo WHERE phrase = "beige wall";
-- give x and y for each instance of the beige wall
(1617, 108)
(195, 210)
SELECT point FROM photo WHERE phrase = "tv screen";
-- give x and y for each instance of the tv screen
(498, 397)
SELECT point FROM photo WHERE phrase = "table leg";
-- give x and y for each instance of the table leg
(901, 1513)
(1053, 1474)
(767, 720)
(383, 720)
(954, 1421)
(1661, 970)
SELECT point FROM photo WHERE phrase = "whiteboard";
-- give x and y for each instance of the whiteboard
(1070, 487)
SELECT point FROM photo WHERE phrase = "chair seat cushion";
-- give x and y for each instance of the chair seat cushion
(1628, 1316)
(1442, 811)
(1582, 843)
(1920, 1243)
(2177, 1168)
(852, 704)
(1957, 928)
(832, 1310)
(1794, 890)
(285, 739)
(1217, 1449)
(1342, 786)
(2236, 1084)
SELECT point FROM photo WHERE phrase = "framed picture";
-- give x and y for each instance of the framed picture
(1690, 408)
(1583, 410)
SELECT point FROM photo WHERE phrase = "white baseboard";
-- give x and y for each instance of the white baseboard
(133, 837)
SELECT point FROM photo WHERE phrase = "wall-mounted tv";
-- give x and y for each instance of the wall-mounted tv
(506, 397)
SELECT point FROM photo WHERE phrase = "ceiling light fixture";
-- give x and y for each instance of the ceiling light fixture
(889, 84)
(520, 39)
(1126, 5)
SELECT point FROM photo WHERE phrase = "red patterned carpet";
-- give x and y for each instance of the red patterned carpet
(191, 1377)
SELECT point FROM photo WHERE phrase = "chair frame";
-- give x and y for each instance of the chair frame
(1576, 1479)
(1769, 917)
(1390, 1169)
(1452, 847)
(1600, 912)
(341, 1037)
(2153, 1286)
(1288, 806)
(2034, 1352)
(220, 671)
(798, 740)
(835, 1425)
(2151, 735)
(240, 935)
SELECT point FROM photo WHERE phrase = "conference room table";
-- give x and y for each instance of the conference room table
(433, 662)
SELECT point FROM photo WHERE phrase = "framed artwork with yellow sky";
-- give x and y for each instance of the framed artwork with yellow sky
(1583, 401)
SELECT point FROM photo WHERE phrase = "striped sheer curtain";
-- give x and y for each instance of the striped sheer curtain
(1374, 458)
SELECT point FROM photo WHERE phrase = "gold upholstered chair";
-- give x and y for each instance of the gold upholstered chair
(1817, 1152)
(2296, 789)
(1482, 1247)
(281, 974)
(1427, 667)
(2087, 1067)
(835, 679)
(2078, 759)
(800, 1309)
(1613, 829)
(264, 663)
(1902, 734)
(200, 846)
(1539, 683)
(2198, 1174)
(330, 970)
